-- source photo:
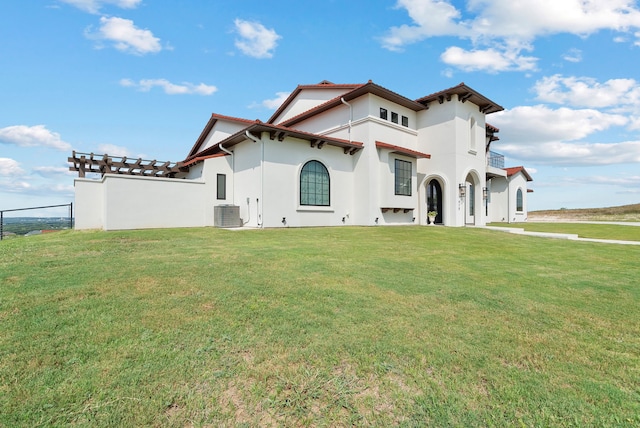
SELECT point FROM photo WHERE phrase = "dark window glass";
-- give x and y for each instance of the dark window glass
(222, 186)
(383, 113)
(519, 204)
(314, 184)
(394, 117)
(405, 121)
(403, 178)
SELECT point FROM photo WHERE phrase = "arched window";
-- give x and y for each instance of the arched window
(519, 204)
(314, 184)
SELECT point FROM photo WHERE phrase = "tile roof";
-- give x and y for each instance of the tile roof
(402, 150)
(325, 84)
(366, 88)
(207, 129)
(516, 169)
(464, 93)
(276, 131)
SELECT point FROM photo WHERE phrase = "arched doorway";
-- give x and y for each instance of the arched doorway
(472, 200)
(434, 199)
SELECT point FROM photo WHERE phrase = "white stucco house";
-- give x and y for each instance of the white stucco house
(330, 155)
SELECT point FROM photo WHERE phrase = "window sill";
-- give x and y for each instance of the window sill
(317, 209)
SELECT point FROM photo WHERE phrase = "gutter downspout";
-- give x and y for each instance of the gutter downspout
(260, 205)
(350, 115)
(233, 173)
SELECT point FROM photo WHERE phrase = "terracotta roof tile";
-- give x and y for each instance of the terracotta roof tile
(516, 169)
(403, 150)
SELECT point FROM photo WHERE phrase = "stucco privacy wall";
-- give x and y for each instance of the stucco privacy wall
(89, 203)
(137, 202)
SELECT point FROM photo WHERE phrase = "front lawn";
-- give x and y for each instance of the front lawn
(369, 326)
(583, 230)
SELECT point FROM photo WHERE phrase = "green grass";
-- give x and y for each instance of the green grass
(406, 326)
(583, 230)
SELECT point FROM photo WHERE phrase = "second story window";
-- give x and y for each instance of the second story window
(394, 117)
(405, 121)
(383, 113)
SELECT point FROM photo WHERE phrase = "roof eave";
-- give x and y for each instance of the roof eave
(464, 93)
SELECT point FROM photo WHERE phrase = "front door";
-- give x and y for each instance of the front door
(471, 204)
(434, 199)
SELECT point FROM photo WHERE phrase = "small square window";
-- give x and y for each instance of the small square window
(383, 113)
(394, 117)
(405, 121)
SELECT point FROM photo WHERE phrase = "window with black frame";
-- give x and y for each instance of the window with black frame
(314, 184)
(519, 202)
(403, 177)
(221, 186)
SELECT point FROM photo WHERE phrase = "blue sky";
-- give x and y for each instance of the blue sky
(141, 78)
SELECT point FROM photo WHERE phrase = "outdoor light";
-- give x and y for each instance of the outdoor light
(485, 193)
(463, 189)
(284, 220)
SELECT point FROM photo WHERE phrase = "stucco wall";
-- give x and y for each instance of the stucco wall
(134, 202)
(89, 204)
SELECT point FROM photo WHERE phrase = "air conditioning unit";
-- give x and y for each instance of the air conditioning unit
(226, 216)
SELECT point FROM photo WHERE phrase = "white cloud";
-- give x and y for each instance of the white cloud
(633, 181)
(94, 6)
(515, 24)
(146, 85)
(113, 150)
(15, 186)
(10, 167)
(575, 154)
(529, 124)
(491, 60)
(272, 103)
(255, 40)
(542, 135)
(587, 92)
(125, 36)
(52, 171)
(523, 20)
(573, 55)
(32, 136)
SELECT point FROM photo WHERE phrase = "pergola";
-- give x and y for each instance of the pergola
(105, 164)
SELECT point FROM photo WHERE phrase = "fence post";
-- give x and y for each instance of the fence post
(71, 215)
(1, 225)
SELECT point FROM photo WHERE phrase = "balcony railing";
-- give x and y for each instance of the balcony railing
(496, 160)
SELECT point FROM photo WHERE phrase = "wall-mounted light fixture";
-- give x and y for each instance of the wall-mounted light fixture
(485, 193)
(284, 220)
(462, 188)
(376, 220)
(344, 219)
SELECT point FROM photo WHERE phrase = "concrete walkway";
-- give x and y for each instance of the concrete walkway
(570, 236)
